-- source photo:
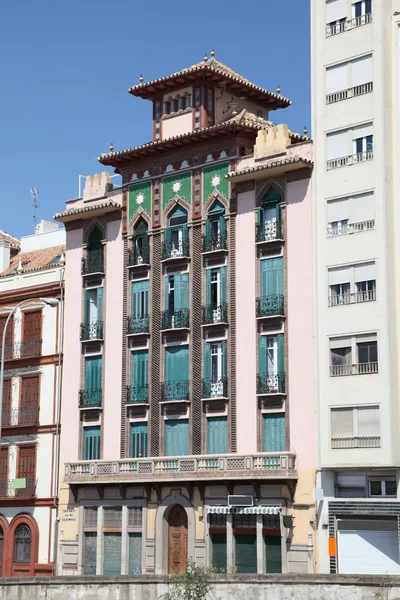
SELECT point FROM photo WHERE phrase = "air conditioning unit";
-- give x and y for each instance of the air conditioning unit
(240, 500)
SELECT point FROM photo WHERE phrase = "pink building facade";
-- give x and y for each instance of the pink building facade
(188, 401)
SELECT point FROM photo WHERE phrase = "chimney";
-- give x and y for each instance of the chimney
(4, 255)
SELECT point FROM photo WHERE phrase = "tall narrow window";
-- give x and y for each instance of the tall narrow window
(1, 550)
(134, 540)
(94, 261)
(141, 248)
(271, 364)
(138, 440)
(176, 437)
(92, 328)
(7, 414)
(269, 218)
(176, 314)
(91, 443)
(22, 544)
(93, 392)
(215, 231)
(29, 401)
(139, 386)
(274, 432)
(31, 344)
(217, 435)
(176, 385)
(215, 370)
(26, 469)
(176, 236)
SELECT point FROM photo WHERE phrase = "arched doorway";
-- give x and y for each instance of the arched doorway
(177, 540)
(1, 550)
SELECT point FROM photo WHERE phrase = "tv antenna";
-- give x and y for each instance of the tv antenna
(34, 194)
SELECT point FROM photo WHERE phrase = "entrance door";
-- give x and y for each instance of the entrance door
(177, 540)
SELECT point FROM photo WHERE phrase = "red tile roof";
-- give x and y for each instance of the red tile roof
(37, 260)
(13, 241)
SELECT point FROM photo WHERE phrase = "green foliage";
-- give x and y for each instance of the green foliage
(195, 584)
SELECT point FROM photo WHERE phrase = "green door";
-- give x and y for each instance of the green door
(273, 553)
(112, 554)
(177, 372)
(218, 545)
(93, 372)
(176, 437)
(246, 553)
(274, 432)
(138, 440)
(135, 553)
(91, 443)
(217, 435)
(140, 299)
(271, 276)
(140, 362)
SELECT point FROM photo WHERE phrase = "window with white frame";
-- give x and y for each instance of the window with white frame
(352, 214)
(336, 16)
(352, 284)
(349, 146)
(361, 9)
(355, 427)
(349, 79)
(379, 487)
(353, 355)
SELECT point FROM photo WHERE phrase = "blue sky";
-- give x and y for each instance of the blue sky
(66, 67)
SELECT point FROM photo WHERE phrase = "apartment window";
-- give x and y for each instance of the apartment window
(336, 12)
(363, 144)
(349, 79)
(216, 295)
(356, 355)
(367, 352)
(382, 488)
(350, 146)
(355, 427)
(362, 8)
(112, 516)
(215, 370)
(341, 356)
(355, 214)
(134, 541)
(352, 284)
(91, 443)
(217, 435)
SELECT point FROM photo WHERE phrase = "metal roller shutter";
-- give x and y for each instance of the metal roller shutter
(218, 541)
(246, 553)
(369, 552)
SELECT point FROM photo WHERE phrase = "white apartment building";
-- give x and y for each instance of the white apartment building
(355, 103)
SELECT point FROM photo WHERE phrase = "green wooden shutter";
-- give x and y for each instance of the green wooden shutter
(166, 292)
(135, 553)
(224, 290)
(176, 437)
(100, 304)
(208, 228)
(86, 304)
(271, 276)
(263, 277)
(178, 292)
(217, 435)
(138, 440)
(140, 362)
(207, 364)
(185, 233)
(93, 368)
(246, 553)
(224, 358)
(112, 554)
(140, 299)
(262, 355)
(260, 215)
(274, 432)
(208, 287)
(222, 225)
(91, 443)
(183, 368)
(167, 234)
(218, 544)
(273, 553)
(281, 353)
(185, 291)
(171, 363)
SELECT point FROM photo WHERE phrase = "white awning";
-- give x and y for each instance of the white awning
(244, 510)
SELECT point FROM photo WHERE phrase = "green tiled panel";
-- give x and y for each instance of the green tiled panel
(185, 190)
(134, 192)
(218, 172)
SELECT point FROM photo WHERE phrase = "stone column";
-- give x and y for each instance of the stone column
(124, 541)
(230, 559)
(100, 542)
(260, 545)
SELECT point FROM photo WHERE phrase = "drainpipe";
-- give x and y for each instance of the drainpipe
(58, 411)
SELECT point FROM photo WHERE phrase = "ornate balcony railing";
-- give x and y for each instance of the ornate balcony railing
(8, 490)
(137, 325)
(177, 319)
(93, 262)
(269, 231)
(272, 383)
(138, 257)
(215, 389)
(356, 369)
(23, 349)
(213, 243)
(359, 441)
(348, 229)
(215, 314)
(137, 394)
(171, 249)
(23, 416)
(344, 25)
(174, 390)
(92, 330)
(270, 306)
(348, 161)
(187, 467)
(353, 298)
(8, 350)
(90, 398)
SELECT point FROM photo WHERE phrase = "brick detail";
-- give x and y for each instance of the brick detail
(155, 346)
(123, 378)
(232, 333)
(196, 339)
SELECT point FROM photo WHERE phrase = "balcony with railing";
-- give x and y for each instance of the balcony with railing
(350, 228)
(270, 306)
(273, 465)
(215, 242)
(172, 249)
(178, 319)
(90, 398)
(359, 441)
(352, 92)
(92, 330)
(138, 257)
(347, 25)
(367, 368)
(348, 161)
(215, 389)
(93, 262)
(137, 394)
(24, 416)
(174, 391)
(8, 488)
(269, 231)
(352, 298)
(22, 349)
(271, 383)
(215, 315)
(137, 326)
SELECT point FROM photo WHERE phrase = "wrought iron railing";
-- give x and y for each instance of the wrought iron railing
(271, 383)
(212, 243)
(138, 257)
(8, 350)
(25, 415)
(90, 398)
(92, 330)
(8, 489)
(350, 228)
(137, 394)
(215, 314)
(269, 231)
(269, 306)
(172, 249)
(22, 349)
(344, 25)
(215, 389)
(137, 325)
(369, 368)
(352, 298)
(174, 390)
(349, 160)
(93, 262)
(177, 319)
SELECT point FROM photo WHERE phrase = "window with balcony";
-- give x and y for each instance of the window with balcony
(355, 427)
(91, 396)
(215, 382)
(361, 8)
(26, 470)
(93, 262)
(138, 322)
(176, 302)
(176, 384)
(138, 391)
(274, 432)
(336, 16)
(356, 355)
(139, 253)
(9, 345)
(91, 442)
(349, 146)
(138, 440)
(216, 309)
(215, 237)
(217, 435)
(271, 367)
(28, 411)
(349, 215)
(271, 301)
(176, 433)
(176, 235)
(31, 344)
(349, 79)
(269, 218)
(92, 326)
(352, 284)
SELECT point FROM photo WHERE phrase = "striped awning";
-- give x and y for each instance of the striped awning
(243, 510)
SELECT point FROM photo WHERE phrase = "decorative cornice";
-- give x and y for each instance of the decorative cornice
(70, 214)
(271, 164)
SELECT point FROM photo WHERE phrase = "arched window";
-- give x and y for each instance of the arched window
(176, 236)
(95, 238)
(141, 244)
(94, 263)
(1, 550)
(215, 238)
(22, 544)
(269, 217)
